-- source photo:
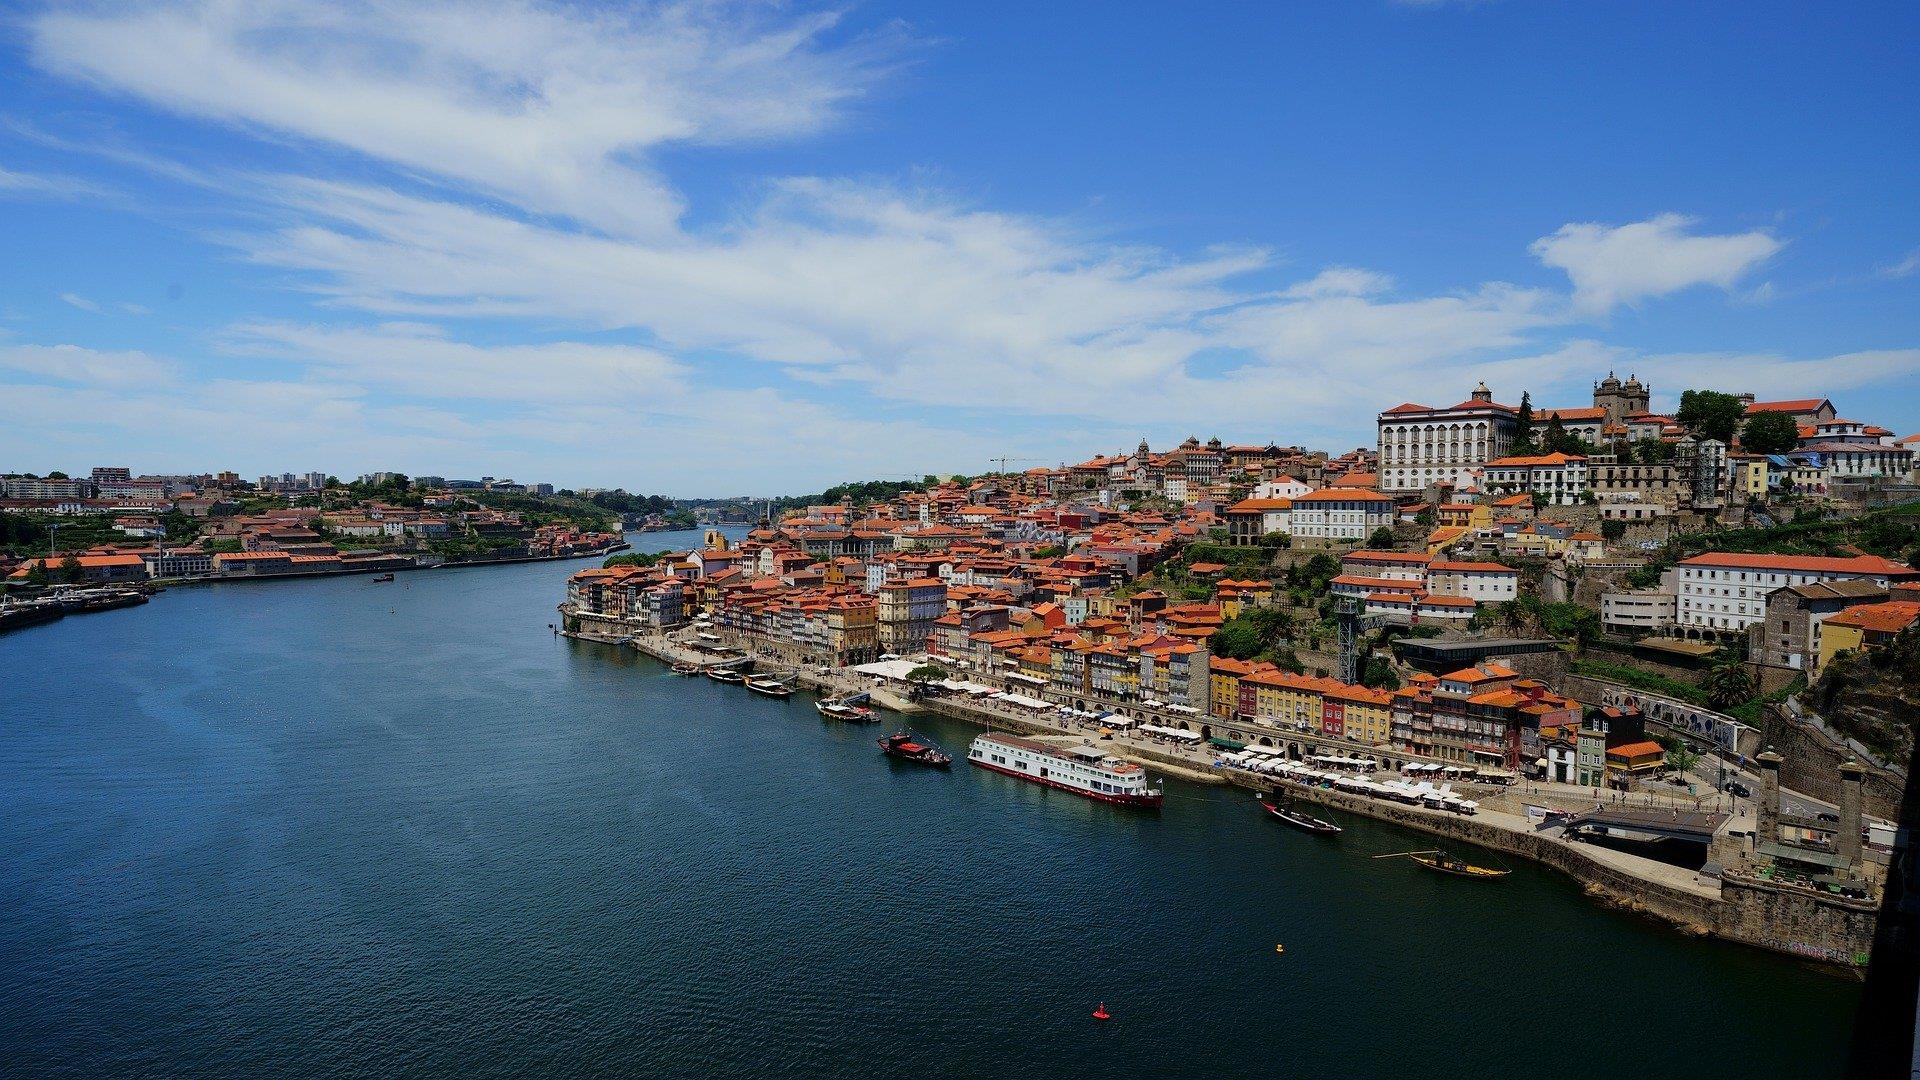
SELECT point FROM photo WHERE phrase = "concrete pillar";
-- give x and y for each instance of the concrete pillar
(1768, 812)
(1852, 782)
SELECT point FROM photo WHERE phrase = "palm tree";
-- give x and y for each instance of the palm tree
(1727, 685)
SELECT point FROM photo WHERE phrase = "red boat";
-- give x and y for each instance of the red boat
(902, 746)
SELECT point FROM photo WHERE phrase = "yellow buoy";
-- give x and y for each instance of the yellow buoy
(1279, 948)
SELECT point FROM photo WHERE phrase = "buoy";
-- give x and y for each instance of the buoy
(1279, 948)
(1100, 1012)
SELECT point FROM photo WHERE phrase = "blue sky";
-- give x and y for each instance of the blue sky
(730, 248)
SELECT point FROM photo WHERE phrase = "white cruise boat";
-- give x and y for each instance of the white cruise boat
(1083, 770)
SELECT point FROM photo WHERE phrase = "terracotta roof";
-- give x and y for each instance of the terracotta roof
(1888, 618)
(1538, 459)
(1798, 405)
(1353, 495)
(1860, 564)
(1637, 749)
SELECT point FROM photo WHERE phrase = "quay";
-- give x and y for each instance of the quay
(1833, 931)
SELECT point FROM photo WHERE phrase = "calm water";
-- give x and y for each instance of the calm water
(334, 827)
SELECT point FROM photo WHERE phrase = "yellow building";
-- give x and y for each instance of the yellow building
(1869, 626)
(1748, 476)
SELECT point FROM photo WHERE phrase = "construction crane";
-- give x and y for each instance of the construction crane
(1002, 461)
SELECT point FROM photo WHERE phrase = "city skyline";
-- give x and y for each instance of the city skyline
(687, 252)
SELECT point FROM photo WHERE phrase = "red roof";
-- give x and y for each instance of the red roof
(1798, 405)
(1861, 564)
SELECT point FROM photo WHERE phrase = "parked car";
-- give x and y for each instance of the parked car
(1739, 790)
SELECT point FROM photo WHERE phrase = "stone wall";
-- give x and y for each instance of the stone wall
(1810, 763)
(1793, 920)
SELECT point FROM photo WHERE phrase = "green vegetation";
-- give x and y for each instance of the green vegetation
(1770, 433)
(1679, 757)
(1575, 622)
(1381, 540)
(1639, 680)
(1727, 685)
(1711, 414)
(631, 558)
(926, 673)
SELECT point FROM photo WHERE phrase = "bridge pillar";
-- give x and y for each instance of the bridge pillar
(1852, 779)
(1767, 813)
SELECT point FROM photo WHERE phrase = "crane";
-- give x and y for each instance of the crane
(1002, 461)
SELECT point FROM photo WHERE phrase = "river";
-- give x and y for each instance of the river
(338, 827)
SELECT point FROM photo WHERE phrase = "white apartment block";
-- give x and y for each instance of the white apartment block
(1559, 479)
(1334, 514)
(1724, 592)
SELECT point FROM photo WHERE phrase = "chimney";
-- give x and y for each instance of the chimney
(1852, 784)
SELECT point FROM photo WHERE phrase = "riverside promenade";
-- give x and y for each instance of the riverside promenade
(1830, 930)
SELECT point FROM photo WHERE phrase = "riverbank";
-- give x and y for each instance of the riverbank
(1832, 931)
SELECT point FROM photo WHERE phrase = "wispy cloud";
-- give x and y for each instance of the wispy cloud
(81, 302)
(1903, 268)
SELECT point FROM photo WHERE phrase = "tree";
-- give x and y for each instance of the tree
(70, 569)
(1770, 433)
(1652, 451)
(1727, 685)
(1382, 539)
(927, 673)
(1556, 438)
(1613, 530)
(1379, 674)
(1680, 757)
(1523, 425)
(1711, 414)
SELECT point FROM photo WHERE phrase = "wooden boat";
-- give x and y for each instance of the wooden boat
(725, 675)
(838, 710)
(686, 668)
(1297, 819)
(1447, 864)
(906, 747)
(770, 687)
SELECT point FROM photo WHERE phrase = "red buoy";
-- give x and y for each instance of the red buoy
(1100, 1012)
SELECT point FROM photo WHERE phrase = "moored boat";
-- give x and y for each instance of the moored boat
(725, 675)
(1081, 769)
(1297, 819)
(905, 746)
(1447, 863)
(686, 668)
(383, 577)
(840, 710)
(770, 687)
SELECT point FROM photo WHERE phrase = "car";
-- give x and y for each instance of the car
(1739, 790)
(1828, 815)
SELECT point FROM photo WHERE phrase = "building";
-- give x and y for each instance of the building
(1803, 411)
(1617, 400)
(1422, 446)
(35, 488)
(94, 569)
(1789, 636)
(1637, 611)
(1338, 514)
(1869, 626)
(1726, 592)
(906, 611)
(1555, 479)
(1250, 519)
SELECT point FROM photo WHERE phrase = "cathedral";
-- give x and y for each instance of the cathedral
(1621, 400)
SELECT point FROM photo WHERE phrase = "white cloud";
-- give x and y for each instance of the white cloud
(1612, 265)
(81, 302)
(554, 107)
(89, 367)
(26, 185)
(1904, 267)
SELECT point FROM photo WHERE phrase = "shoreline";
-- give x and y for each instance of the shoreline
(1736, 908)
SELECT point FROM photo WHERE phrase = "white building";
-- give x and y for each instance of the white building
(1559, 479)
(1282, 487)
(1481, 582)
(1637, 610)
(1421, 446)
(1336, 514)
(1724, 591)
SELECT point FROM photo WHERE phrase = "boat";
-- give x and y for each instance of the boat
(903, 745)
(1100, 1012)
(1447, 863)
(1297, 819)
(13, 616)
(770, 687)
(109, 599)
(725, 675)
(686, 668)
(840, 710)
(1082, 769)
(383, 577)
